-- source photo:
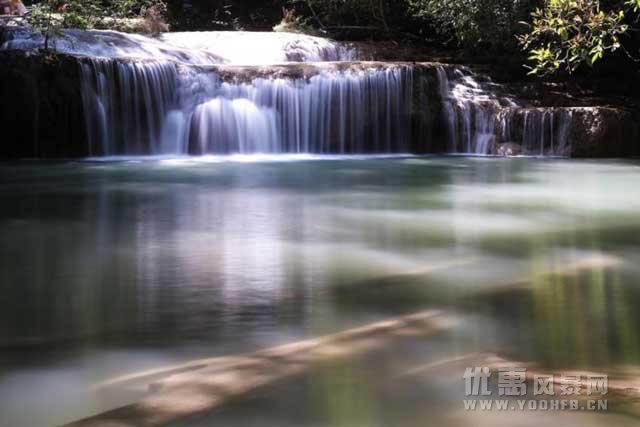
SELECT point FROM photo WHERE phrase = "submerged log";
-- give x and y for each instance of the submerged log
(209, 383)
(412, 289)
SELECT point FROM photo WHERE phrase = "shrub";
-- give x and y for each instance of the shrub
(475, 24)
(294, 23)
(566, 34)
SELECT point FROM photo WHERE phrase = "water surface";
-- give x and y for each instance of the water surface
(115, 266)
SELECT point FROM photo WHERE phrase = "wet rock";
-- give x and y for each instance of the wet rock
(298, 70)
(508, 149)
(603, 132)
(41, 114)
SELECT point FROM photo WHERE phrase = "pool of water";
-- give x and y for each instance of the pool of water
(113, 267)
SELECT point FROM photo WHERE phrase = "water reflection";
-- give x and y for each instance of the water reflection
(114, 267)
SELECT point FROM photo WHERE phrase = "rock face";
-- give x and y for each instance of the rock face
(508, 149)
(604, 132)
(41, 114)
(431, 107)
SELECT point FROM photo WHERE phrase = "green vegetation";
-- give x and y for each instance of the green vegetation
(476, 24)
(551, 36)
(364, 14)
(548, 36)
(50, 16)
(567, 34)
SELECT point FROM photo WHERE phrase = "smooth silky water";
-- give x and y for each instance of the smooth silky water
(117, 266)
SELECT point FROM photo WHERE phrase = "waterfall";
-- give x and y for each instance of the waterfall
(539, 131)
(478, 117)
(331, 112)
(178, 109)
(469, 112)
(238, 125)
(126, 104)
(220, 92)
(545, 131)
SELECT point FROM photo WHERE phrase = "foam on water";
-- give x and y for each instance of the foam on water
(204, 47)
(179, 160)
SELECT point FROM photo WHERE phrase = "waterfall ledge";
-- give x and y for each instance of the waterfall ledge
(60, 105)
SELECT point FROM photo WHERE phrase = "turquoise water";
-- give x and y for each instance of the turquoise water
(116, 266)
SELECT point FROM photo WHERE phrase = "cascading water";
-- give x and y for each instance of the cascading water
(470, 112)
(539, 131)
(219, 93)
(180, 110)
(196, 48)
(159, 95)
(477, 118)
(331, 112)
(545, 131)
(126, 104)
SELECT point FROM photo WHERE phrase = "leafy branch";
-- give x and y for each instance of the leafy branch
(566, 34)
